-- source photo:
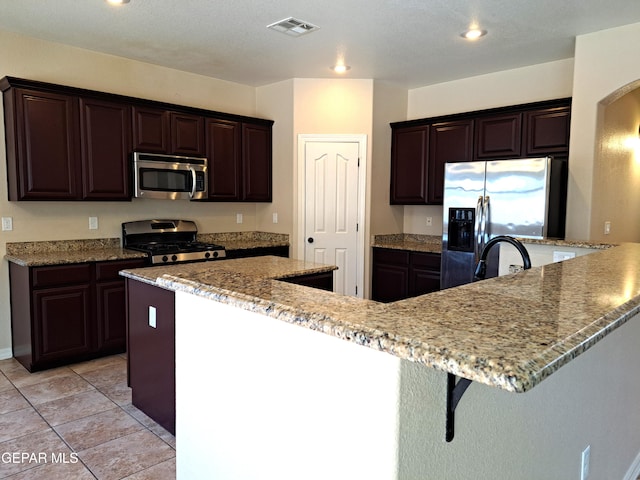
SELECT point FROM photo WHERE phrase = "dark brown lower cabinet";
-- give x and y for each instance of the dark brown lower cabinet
(62, 314)
(322, 281)
(398, 274)
(151, 351)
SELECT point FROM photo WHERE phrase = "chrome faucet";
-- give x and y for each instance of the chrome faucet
(481, 268)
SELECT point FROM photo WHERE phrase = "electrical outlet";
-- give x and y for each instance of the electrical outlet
(275, 217)
(584, 471)
(238, 218)
(93, 223)
(429, 221)
(7, 224)
(607, 228)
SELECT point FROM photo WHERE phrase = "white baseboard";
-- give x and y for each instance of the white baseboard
(8, 353)
(634, 470)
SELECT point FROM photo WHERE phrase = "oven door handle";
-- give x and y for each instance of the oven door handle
(193, 181)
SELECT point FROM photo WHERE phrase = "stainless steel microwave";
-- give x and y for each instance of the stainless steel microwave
(169, 176)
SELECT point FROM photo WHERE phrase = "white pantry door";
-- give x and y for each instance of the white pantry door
(331, 209)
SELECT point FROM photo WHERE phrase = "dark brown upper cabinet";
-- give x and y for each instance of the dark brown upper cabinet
(150, 130)
(547, 131)
(256, 163)
(163, 131)
(43, 145)
(66, 143)
(223, 154)
(418, 157)
(420, 148)
(105, 131)
(499, 136)
(448, 142)
(409, 165)
(187, 134)
(240, 161)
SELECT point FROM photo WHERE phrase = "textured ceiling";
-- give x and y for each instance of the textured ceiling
(412, 43)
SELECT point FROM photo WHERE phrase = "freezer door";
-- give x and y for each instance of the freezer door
(464, 185)
(517, 192)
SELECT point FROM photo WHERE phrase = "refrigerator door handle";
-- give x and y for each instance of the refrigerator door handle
(479, 227)
(486, 234)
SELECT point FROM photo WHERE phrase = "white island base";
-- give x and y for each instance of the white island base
(262, 399)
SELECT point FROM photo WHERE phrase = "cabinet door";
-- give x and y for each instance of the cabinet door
(111, 305)
(390, 275)
(424, 273)
(111, 314)
(62, 324)
(256, 163)
(448, 142)
(106, 146)
(409, 156)
(499, 136)
(150, 130)
(187, 134)
(47, 147)
(547, 131)
(223, 155)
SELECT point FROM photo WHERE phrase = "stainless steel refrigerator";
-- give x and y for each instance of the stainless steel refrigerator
(523, 198)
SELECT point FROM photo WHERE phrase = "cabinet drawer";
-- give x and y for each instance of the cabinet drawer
(386, 255)
(109, 270)
(61, 275)
(429, 260)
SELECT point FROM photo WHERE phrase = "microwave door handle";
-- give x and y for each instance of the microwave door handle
(193, 181)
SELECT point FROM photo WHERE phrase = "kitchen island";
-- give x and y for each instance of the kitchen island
(269, 399)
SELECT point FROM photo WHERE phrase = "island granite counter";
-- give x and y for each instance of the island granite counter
(510, 332)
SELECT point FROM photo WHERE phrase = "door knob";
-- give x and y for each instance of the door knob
(310, 239)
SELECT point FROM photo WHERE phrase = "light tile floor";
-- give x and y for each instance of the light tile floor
(77, 422)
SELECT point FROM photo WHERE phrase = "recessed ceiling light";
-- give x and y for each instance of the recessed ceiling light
(473, 33)
(340, 68)
(117, 2)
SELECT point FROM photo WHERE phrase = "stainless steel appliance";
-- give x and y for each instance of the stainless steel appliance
(169, 176)
(523, 198)
(169, 241)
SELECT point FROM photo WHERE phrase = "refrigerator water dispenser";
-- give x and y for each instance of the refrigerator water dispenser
(461, 228)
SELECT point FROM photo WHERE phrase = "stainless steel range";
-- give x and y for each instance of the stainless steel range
(169, 241)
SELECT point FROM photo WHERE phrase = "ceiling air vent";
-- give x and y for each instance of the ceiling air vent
(293, 27)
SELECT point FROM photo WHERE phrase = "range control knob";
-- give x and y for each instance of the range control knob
(165, 258)
(174, 257)
(215, 254)
(207, 254)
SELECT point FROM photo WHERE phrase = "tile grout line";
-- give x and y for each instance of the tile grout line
(48, 424)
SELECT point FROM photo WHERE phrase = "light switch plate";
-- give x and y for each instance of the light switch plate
(93, 223)
(7, 224)
(238, 218)
(152, 316)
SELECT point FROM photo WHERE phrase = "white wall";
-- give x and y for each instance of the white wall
(607, 65)
(33, 59)
(303, 404)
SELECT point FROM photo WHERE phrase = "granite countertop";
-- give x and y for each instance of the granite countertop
(58, 252)
(433, 244)
(409, 241)
(509, 332)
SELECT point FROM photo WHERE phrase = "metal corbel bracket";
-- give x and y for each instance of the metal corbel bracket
(455, 390)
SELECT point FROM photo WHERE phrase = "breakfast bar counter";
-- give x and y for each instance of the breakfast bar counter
(295, 374)
(508, 332)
